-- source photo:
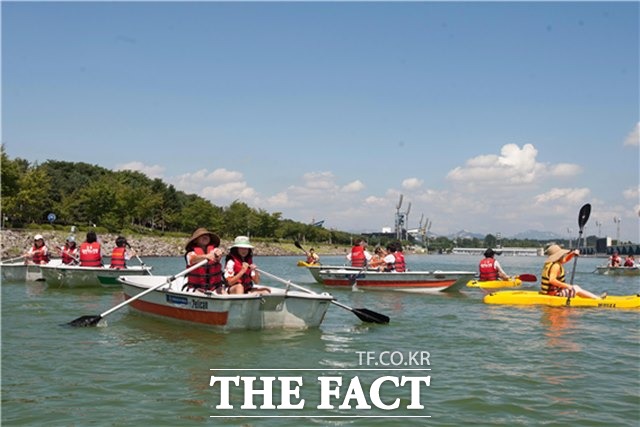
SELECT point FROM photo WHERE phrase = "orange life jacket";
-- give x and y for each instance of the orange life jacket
(207, 277)
(117, 258)
(90, 255)
(488, 270)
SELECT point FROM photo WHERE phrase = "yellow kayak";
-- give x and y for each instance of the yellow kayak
(494, 284)
(305, 264)
(536, 298)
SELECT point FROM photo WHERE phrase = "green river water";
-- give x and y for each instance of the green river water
(488, 365)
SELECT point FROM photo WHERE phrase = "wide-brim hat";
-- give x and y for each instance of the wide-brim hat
(215, 240)
(555, 252)
(242, 242)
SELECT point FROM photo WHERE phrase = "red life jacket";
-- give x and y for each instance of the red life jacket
(117, 258)
(69, 255)
(90, 255)
(488, 270)
(358, 258)
(245, 280)
(209, 276)
(39, 255)
(399, 265)
(629, 262)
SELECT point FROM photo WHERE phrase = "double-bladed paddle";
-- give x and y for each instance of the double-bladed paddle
(583, 217)
(363, 314)
(93, 320)
(527, 278)
(299, 246)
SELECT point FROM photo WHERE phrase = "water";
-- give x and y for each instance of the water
(490, 365)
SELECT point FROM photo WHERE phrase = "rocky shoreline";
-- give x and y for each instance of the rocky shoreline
(13, 243)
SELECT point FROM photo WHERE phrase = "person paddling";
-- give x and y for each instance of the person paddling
(553, 275)
(69, 252)
(204, 245)
(38, 253)
(240, 271)
(490, 269)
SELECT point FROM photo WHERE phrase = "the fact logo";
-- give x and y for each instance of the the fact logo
(361, 388)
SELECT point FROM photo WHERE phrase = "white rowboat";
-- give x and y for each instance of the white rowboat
(280, 309)
(21, 272)
(74, 276)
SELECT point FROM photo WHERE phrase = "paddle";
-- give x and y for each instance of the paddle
(583, 217)
(93, 320)
(363, 314)
(12, 259)
(299, 246)
(527, 278)
(138, 258)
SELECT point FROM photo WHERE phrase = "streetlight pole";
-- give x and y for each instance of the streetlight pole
(617, 220)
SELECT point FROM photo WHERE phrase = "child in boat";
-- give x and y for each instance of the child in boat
(208, 278)
(377, 260)
(614, 260)
(38, 253)
(91, 251)
(69, 252)
(630, 261)
(240, 272)
(394, 261)
(120, 255)
(359, 256)
(553, 275)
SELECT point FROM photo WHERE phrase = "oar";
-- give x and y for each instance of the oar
(527, 278)
(12, 259)
(93, 320)
(363, 314)
(138, 258)
(583, 217)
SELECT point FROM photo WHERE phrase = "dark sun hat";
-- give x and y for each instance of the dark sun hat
(215, 240)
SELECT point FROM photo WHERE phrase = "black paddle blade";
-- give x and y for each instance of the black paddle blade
(528, 278)
(583, 215)
(370, 316)
(85, 321)
(298, 245)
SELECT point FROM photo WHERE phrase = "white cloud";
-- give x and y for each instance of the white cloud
(154, 171)
(353, 187)
(412, 183)
(632, 193)
(228, 192)
(633, 139)
(513, 166)
(568, 195)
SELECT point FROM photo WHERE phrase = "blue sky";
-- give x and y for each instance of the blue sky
(491, 117)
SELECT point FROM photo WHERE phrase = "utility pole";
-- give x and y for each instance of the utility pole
(617, 220)
(399, 219)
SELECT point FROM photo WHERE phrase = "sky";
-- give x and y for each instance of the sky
(495, 117)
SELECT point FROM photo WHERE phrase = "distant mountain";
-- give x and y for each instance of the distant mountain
(464, 234)
(538, 235)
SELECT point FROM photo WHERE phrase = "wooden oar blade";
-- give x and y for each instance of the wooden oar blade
(528, 278)
(370, 316)
(85, 321)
